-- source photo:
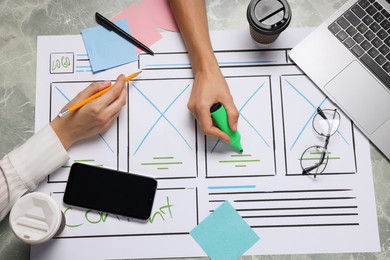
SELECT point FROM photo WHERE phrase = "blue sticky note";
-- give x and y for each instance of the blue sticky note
(224, 235)
(106, 49)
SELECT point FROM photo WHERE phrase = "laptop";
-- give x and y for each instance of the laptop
(348, 58)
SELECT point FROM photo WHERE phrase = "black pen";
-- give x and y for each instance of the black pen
(113, 27)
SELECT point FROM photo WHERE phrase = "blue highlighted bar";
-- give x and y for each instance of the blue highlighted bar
(169, 65)
(232, 187)
(221, 63)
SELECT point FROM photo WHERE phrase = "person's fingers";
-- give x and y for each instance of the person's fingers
(194, 114)
(116, 106)
(109, 123)
(87, 92)
(192, 108)
(110, 96)
(93, 89)
(217, 133)
(205, 121)
(232, 114)
(208, 128)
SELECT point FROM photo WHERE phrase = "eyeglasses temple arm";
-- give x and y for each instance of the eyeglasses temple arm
(319, 111)
(323, 154)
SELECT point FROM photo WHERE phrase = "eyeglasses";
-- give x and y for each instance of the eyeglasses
(315, 158)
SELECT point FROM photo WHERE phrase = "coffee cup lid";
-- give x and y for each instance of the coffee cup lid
(35, 218)
(269, 16)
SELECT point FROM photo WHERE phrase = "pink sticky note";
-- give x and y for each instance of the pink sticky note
(160, 12)
(141, 27)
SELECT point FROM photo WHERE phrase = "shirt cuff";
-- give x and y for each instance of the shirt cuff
(41, 155)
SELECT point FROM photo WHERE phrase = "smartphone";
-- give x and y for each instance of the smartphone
(111, 191)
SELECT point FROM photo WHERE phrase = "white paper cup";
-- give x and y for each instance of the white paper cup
(36, 218)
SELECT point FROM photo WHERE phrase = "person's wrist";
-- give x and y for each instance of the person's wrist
(61, 133)
(206, 66)
(203, 61)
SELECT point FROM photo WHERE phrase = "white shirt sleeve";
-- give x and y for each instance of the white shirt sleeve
(25, 167)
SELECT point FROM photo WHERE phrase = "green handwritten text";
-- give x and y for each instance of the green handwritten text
(161, 212)
(60, 63)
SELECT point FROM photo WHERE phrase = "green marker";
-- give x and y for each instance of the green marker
(219, 115)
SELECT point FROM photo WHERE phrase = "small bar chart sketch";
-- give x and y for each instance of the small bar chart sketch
(162, 137)
(106, 143)
(300, 100)
(252, 97)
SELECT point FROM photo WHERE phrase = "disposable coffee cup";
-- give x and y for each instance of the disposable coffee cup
(35, 218)
(267, 19)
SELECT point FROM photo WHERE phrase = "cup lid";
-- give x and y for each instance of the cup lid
(269, 16)
(35, 218)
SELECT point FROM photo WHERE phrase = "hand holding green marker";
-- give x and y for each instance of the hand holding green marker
(219, 115)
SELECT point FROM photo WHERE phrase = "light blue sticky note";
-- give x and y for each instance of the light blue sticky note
(224, 235)
(106, 49)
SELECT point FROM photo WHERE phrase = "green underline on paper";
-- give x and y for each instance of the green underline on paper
(239, 161)
(317, 159)
(240, 155)
(161, 163)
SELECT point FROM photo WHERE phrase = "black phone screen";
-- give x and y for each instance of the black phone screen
(110, 191)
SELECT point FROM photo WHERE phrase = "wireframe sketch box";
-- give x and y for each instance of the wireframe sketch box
(61, 62)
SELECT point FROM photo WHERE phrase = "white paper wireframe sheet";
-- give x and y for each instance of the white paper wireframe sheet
(106, 143)
(156, 135)
(167, 212)
(162, 137)
(252, 97)
(300, 101)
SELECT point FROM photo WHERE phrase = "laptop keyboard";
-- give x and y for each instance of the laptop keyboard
(365, 30)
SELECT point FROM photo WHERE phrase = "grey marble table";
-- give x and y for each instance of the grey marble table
(22, 20)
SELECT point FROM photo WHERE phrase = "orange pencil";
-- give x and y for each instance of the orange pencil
(96, 95)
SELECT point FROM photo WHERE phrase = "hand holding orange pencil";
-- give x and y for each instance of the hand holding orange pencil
(98, 94)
